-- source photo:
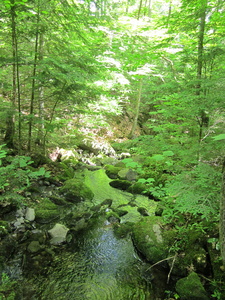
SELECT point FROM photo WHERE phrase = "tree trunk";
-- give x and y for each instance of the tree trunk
(139, 9)
(41, 103)
(222, 217)
(33, 81)
(201, 46)
(137, 109)
(201, 34)
(10, 122)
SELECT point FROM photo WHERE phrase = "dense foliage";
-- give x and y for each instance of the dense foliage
(148, 74)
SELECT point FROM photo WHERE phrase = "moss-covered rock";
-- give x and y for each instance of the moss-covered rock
(8, 246)
(122, 230)
(58, 200)
(128, 174)
(191, 288)
(46, 211)
(75, 191)
(4, 228)
(67, 170)
(148, 239)
(159, 209)
(120, 184)
(34, 247)
(137, 188)
(112, 171)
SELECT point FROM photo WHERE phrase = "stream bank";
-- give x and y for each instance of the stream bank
(65, 215)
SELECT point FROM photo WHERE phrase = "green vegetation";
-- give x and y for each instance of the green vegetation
(141, 82)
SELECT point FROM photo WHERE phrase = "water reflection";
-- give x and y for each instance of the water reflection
(100, 266)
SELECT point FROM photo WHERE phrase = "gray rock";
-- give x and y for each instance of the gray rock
(20, 212)
(58, 234)
(128, 174)
(30, 214)
(34, 247)
(19, 222)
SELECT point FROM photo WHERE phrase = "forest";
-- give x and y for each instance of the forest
(112, 110)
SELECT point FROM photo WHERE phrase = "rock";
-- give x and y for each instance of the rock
(159, 209)
(128, 174)
(107, 202)
(75, 191)
(80, 224)
(138, 188)
(143, 211)
(20, 212)
(58, 234)
(4, 229)
(34, 247)
(148, 239)
(113, 219)
(112, 171)
(191, 287)
(46, 211)
(30, 214)
(120, 184)
(19, 223)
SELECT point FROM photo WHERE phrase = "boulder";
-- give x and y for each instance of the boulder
(30, 214)
(34, 247)
(46, 211)
(191, 287)
(58, 234)
(128, 174)
(112, 171)
(75, 191)
(120, 184)
(148, 239)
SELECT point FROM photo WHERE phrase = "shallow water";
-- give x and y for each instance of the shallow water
(99, 266)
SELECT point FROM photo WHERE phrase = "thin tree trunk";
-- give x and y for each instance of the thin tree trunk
(10, 121)
(139, 9)
(222, 217)
(201, 47)
(10, 130)
(200, 67)
(137, 109)
(33, 82)
(41, 104)
(150, 9)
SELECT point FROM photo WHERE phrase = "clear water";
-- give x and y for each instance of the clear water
(99, 266)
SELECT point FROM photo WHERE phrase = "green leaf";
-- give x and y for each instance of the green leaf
(219, 137)
(158, 157)
(168, 153)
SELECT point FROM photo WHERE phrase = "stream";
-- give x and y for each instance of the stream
(98, 266)
(95, 264)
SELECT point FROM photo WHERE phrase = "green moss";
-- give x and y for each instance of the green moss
(120, 184)
(46, 216)
(75, 191)
(46, 211)
(112, 214)
(8, 288)
(191, 287)
(67, 170)
(122, 230)
(4, 228)
(149, 240)
(137, 188)
(112, 171)
(120, 165)
(59, 200)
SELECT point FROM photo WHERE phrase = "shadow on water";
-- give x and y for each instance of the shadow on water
(98, 266)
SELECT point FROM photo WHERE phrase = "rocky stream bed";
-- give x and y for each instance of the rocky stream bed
(90, 234)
